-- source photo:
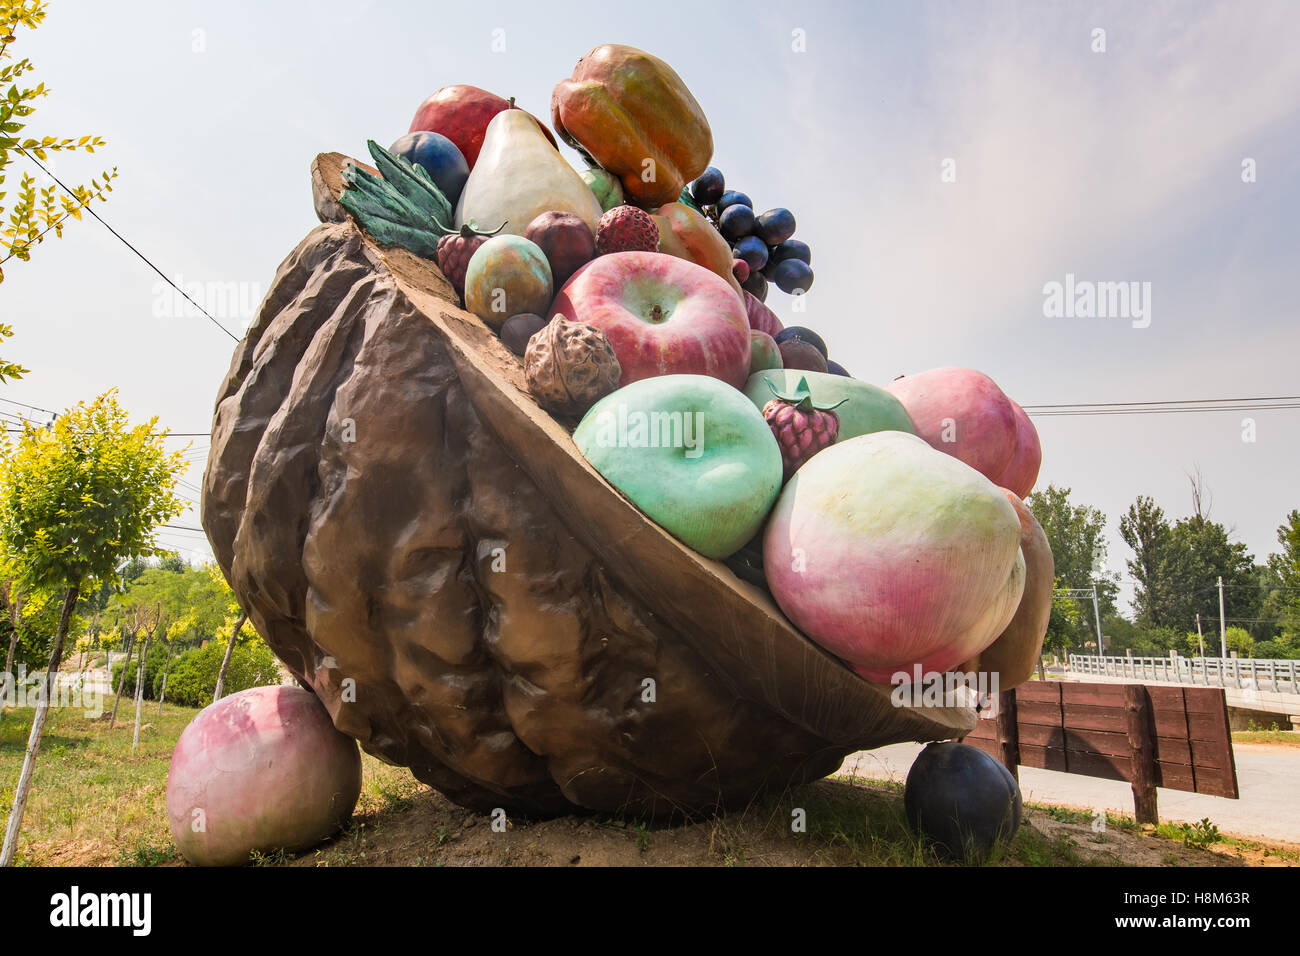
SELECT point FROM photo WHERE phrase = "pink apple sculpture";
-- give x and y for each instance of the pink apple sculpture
(663, 316)
(963, 413)
(890, 554)
(263, 769)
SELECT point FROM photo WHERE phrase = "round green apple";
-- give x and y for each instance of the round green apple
(867, 408)
(692, 453)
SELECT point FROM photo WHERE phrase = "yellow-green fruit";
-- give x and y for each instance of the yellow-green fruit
(507, 276)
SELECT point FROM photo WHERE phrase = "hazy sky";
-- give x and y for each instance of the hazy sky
(1115, 166)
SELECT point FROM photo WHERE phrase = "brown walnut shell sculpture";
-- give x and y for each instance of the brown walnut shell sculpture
(425, 548)
(569, 366)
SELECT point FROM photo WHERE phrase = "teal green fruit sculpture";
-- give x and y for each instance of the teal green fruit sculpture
(867, 409)
(692, 453)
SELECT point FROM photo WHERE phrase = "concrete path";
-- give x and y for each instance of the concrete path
(1268, 778)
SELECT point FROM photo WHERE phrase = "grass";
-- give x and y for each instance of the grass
(1281, 738)
(95, 802)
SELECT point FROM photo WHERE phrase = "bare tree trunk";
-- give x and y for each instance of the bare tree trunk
(139, 690)
(38, 728)
(121, 681)
(166, 667)
(225, 661)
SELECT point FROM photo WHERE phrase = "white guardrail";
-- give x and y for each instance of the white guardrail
(1276, 675)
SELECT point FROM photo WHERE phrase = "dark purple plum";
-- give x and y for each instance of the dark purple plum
(731, 198)
(518, 329)
(775, 226)
(439, 157)
(791, 249)
(752, 250)
(736, 222)
(804, 335)
(792, 275)
(961, 799)
(709, 188)
(835, 368)
(756, 286)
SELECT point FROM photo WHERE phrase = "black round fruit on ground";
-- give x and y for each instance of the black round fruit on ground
(961, 799)
(807, 335)
(709, 188)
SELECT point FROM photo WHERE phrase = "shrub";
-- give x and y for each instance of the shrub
(153, 671)
(193, 675)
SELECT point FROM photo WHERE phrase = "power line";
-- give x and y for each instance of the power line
(124, 242)
(1171, 407)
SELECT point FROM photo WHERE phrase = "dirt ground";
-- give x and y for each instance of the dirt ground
(848, 823)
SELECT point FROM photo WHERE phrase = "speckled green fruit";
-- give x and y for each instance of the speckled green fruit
(604, 186)
(692, 453)
(867, 409)
(507, 276)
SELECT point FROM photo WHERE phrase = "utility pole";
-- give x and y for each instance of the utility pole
(1199, 636)
(1223, 633)
(1097, 614)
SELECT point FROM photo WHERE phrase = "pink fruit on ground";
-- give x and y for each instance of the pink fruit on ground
(889, 554)
(963, 413)
(261, 770)
(761, 317)
(663, 316)
(1022, 472)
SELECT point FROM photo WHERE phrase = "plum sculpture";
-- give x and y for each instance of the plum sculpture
(428, 551)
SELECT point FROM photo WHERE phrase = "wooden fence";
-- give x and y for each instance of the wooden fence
(1151, 736)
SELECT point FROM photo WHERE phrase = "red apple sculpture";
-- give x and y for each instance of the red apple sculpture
(963, 413)
(663, 316)
(461, 113)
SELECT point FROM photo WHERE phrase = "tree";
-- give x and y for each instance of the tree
(75, 501)
(1283, 601)
(34, 213)
(1075, 533)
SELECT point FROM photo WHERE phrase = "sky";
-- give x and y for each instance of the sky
(945, 162)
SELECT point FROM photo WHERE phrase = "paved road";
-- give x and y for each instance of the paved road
(1268, 778)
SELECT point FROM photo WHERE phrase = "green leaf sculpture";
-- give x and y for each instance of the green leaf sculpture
(402, 206)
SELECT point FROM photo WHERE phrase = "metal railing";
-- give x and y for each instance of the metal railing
(1278, 676)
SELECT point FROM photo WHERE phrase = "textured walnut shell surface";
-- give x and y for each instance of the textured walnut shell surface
(570, 366)
(400, 517)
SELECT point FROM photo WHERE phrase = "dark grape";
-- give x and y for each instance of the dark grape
(835, 368)
(731, 198)
(736, 222)
(752, 250)
(709, 188)
(775, 226)
(792, 275)
(518, 329)
(791, 249)
(803, 335)
(756, 286)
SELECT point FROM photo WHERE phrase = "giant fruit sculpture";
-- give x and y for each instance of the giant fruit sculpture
(426, 549)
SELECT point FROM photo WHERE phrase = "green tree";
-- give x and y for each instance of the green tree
(1283, 600)
(75, 501)
(1076, 535)
(33, 212)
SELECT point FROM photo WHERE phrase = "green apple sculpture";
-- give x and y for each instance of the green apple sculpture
(692, 453)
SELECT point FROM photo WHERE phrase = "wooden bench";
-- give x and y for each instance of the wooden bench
(1151, 736)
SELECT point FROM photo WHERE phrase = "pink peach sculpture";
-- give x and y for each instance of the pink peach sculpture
(962, 413)
(260, 770)
(889, 554)
(1022, 472)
